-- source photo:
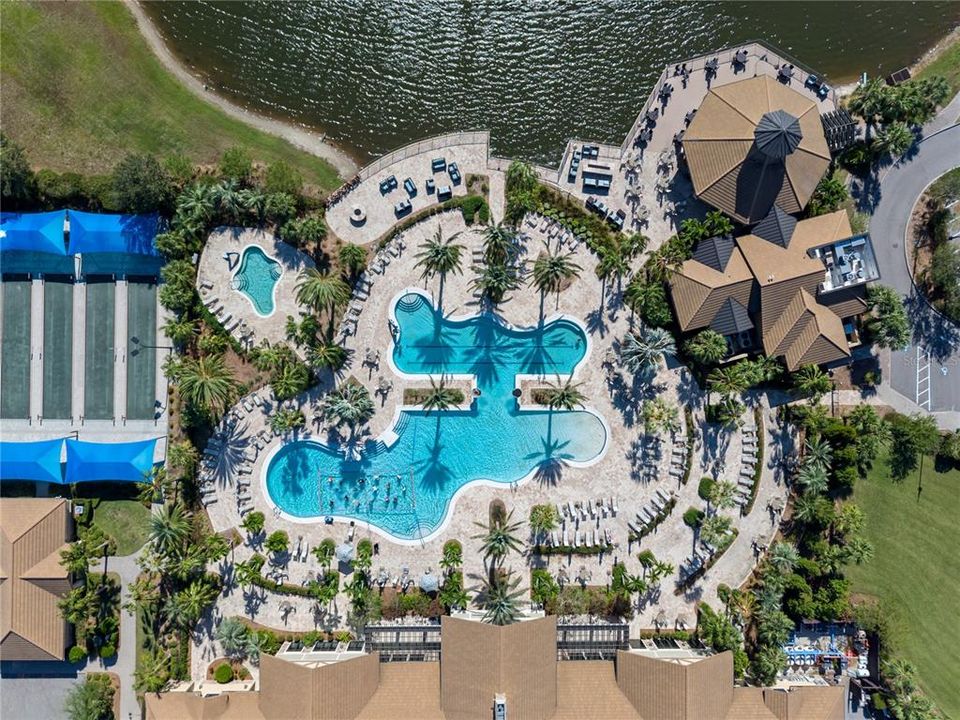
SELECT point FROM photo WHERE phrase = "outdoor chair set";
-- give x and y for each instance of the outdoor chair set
(678, 458)
(647, 453)
(552, 229)
(581, 511)
(237, 326)
(647, 518)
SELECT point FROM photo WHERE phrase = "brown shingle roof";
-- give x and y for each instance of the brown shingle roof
(32, 533)
(748, 705)
(807, 703)
(191, 706)
(698, 290)
(727, 168)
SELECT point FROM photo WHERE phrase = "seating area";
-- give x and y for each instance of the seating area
(748, 464)
(583, 512)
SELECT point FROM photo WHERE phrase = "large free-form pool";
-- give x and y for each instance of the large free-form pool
(405, 489)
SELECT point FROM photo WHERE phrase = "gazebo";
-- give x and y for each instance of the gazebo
(753, 144)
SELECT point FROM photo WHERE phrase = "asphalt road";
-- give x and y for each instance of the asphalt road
(928, 372)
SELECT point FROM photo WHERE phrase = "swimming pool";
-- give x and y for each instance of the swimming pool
(257, 279)
(405, 489)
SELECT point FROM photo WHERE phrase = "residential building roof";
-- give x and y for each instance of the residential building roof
(33, 531)
(753, 144)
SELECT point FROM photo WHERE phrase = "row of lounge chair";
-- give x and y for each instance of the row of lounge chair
(647, 517)
(580, 538)
(678, 457)
(361, 291)
(580, 510)
(553, 230)
(748, 463)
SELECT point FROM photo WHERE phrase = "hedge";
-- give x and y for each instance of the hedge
(661, 516)
(417, 396)
(223, 673)
(692, 517)
(758, 468)
(705, 487)
(411, 220)
(77, 654)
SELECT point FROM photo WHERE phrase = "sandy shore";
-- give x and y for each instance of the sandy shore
(304, 139)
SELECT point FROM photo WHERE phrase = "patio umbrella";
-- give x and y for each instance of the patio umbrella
(344, 552)
(429, 582)
(661, 619)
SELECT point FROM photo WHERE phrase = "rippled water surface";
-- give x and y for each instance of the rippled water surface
(377, 74)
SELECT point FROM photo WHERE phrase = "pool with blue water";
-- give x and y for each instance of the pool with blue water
(406, 489)
(257, 278)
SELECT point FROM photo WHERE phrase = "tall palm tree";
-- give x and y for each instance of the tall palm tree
(870, 102)
(197, 201)
(440, 397)
(321, 290)
(233, 635)
(327, 355)
(324, 552)
(169, 528)
(499, 597)
(353, 258)
(644, 352)
(858, 550)
(806, 508)
(499, 244)
(784, 557)
(552, 270)
(499, 538)
(895, 139)
(612, 264)
(723, 494)
(726, 380)
(495, 281)
(227, 198)
(707, 347)
(206, 382)
(818, 451)
(566, 396)
(812, 382)
(813, 477)
(440, 257)
(350, 403)
(714, 529)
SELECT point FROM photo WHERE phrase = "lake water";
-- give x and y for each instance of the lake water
(377, 74)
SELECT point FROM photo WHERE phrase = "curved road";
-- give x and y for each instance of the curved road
(935, 352)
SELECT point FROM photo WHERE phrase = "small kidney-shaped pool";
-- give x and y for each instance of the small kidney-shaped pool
(257, 279)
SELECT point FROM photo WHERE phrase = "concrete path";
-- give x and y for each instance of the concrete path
(126, 662)
(926, 373)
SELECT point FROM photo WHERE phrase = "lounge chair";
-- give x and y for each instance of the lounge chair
(210, 500)
(576, 539)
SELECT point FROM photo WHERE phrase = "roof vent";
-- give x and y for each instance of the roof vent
(770, 277)
(778, 134)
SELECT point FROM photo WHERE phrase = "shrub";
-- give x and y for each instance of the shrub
(471, 206)
(828, 196)
(281, 178)
(235, 164)
(77, 654)
(705, 487)
(278, 541)
(108, 651)
(223, 673)
(693, 517)
(141, 185)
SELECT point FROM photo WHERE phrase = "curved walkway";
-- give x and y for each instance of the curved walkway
(935, 350)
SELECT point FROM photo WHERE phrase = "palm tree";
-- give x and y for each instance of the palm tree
(564, 397)
(612, 263)
(181, 330)
(183, 456)
(324, 552)
(252, 202)
(869, 102)
(813, 477)
(806, 508)
(233, 636)
(783, 557)
(707, 347)
(495, 281)
(320, 290)
(440, 257)
(543, 519)
(152, 672)
(353, 258)
(440, 397)
(169, 529)
(895, 139)
(290, 379)
(858, 550)
(641, 353)
(499, 539)
(327, 355)
(498, 597)
(452, 555)
(227, 199)
(206, 383)
(723, 495)
(499, 244)
(714, 529)
(818, 451)
(812, 382)
(552, 270)
(197, 201)
(726, 380)
(193, 599)
(350, 403)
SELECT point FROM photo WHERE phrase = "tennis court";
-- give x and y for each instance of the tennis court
(15, 362)
(141, 360)
(99, 361)
(57, 349)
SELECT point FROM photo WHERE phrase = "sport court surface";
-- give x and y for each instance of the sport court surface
(57, 349)
(100, 355)
(15, 398)
(141, 360)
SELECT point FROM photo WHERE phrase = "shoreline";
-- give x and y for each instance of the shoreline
(299, 137)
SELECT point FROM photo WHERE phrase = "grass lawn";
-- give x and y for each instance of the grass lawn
(916, 571)
(127, 521)
(946, 64)
(81, 88)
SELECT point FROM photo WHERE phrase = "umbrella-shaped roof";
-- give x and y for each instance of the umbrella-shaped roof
(429, 582)
(344, 552)
(755, 143)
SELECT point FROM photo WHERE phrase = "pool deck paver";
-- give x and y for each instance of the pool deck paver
(611, 393)
(214, 275)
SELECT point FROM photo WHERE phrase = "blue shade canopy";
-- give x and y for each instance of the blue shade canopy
(103, 233)
(31, 461)
(32, 232)
(92, 462)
